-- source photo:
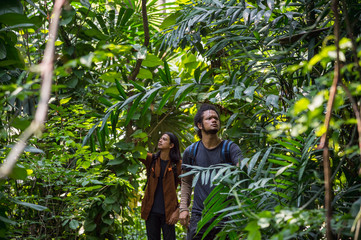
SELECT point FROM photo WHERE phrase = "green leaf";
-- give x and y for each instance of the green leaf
(67, 16)
(262, 163)
(170, 20)
(301, 105)
(30, 205)
(165, 98)
(126, 16)
(105, 101)
(74, 224)
(120, 89)
(11, 6)
(145, 74)
(163, 76)
(133, 108)
(2, 51)
(282, 169)
(272, 100)
(21, 123)
(102, 24)
(151, 61)
(167, 72)
(287, 158)
(249, 92)
(19, 172)
(85, 3)
(137, 86)
(64, 100)
(115, 162)
(89, 226)
(150, 99)
(253, 161)
(111, 76)
(6, 220)
(253, 231)
(183, 93)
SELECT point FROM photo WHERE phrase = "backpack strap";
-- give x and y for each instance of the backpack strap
(193, 152)
(226, 153)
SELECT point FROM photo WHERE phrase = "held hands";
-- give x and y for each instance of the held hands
(184, 218)
(174, 218)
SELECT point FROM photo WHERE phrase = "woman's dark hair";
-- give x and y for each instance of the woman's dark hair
(174, 153)
(198, 118)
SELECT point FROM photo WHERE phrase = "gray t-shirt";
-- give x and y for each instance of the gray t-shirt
(205, 158)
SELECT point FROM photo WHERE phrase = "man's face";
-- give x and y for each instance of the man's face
(210, 123)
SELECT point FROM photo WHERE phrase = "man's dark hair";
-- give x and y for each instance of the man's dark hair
(198, 118)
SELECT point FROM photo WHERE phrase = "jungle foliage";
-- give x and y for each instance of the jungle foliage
(123, 76)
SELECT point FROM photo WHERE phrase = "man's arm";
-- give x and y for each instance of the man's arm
(186, 191)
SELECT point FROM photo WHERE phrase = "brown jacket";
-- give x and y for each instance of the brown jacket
(169, 187)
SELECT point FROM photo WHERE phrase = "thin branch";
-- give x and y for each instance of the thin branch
(146, 39)
(46, 70)
(324, 138)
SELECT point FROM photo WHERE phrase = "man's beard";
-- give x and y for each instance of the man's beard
(213, 131)
(208, 132)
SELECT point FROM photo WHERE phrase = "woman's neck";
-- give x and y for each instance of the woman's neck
(164, 155)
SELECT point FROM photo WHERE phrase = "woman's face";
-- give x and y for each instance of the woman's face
(164, 142)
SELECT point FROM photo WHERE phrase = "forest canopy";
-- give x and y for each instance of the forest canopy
(88, 87)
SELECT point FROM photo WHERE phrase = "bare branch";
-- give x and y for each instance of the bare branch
(46, 70)
(324, 138)
(146, 39)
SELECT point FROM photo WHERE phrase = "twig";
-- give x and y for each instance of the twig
(46, 70)
(146, 39)
(324, 138)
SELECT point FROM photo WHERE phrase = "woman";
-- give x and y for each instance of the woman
(160, 202)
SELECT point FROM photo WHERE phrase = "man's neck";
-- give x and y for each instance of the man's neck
(210, 141)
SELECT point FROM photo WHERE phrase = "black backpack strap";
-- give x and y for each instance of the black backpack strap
(225, 152)
(193, 152)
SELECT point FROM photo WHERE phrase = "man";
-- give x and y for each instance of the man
(208, 153)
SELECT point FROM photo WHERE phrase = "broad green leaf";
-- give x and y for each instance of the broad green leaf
(249, 92)
(64, 100)
(253, 231)
(272, 100)
(145, 74)
(113, 92)
(301, 105)
(74, 224)
(152, 61)
(111, 76)
(11, 6)
(169, 21)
